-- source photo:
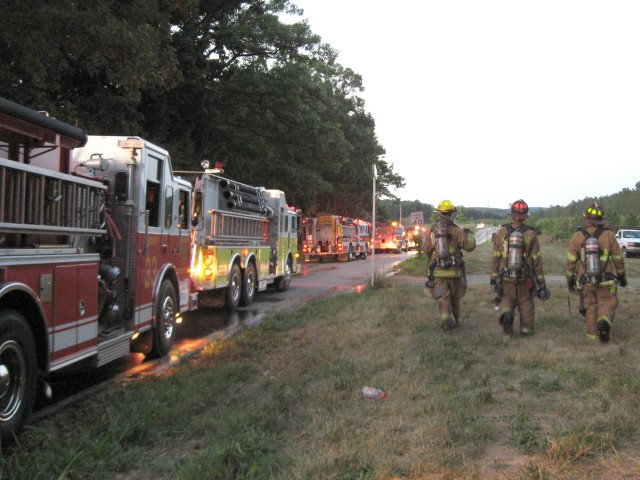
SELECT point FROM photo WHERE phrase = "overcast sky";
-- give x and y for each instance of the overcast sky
(484, 102)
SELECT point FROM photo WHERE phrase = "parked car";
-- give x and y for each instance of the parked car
(629, 241)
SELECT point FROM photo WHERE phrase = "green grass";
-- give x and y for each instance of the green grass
(282, 400)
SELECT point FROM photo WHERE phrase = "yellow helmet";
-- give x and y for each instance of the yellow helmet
(446, 207)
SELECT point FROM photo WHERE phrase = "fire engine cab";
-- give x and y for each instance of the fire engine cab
(94, 252)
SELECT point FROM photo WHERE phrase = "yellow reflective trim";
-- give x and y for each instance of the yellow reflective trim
(571, 257)
(449, 273)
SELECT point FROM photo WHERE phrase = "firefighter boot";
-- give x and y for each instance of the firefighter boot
(449, 323)
(506, 320)
(526, 332)
(603, 330)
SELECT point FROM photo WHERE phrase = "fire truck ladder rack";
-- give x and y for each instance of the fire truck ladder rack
(40, 201)
(237, 228)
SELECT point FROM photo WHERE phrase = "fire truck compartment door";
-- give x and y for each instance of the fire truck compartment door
(75, 322)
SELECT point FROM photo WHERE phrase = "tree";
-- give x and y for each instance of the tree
(224, 80)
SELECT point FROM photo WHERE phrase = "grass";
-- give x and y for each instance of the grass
(282, 400)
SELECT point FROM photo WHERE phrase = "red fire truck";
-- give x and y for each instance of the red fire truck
(390, 237)
(94, 252)
(334, 236)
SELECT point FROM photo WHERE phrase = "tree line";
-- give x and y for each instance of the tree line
(223, 80)
(622, 210)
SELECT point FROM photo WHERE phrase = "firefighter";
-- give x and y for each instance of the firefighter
(594, 268)
(446, 281)
(517, 275)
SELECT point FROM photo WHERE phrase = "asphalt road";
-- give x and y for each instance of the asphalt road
(313, 281)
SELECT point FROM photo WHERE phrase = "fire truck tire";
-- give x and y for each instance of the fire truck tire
(234, 288)
(248, 285)
(283, 282)
(164, 331)
(350, 253)
(18, 374)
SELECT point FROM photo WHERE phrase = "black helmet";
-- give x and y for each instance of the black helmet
(595, 213)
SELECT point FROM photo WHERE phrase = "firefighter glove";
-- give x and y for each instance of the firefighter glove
(571, 284)
(622, 278)
(494, 286)
(429, 282)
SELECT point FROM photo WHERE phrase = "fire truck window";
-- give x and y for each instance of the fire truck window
(168, 207)
(152, 204)
(197, 208)
(121, 186)
(154, 168)
(183, 208)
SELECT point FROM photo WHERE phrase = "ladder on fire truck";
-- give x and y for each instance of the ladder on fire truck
(237, 228)
(36, 200)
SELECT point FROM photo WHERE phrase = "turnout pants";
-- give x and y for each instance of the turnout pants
(600, 303)
(520, 294)
(449, 292)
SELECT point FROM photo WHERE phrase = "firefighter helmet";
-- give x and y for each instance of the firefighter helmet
(520, 207)
(594, 214)
(446, 207)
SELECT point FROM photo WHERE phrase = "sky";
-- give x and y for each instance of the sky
(486, 102)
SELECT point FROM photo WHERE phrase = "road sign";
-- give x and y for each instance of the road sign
(417, 218)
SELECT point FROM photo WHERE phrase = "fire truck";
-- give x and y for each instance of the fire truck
(94, 253)
(336, 237)
(390, 237)
(245, 239)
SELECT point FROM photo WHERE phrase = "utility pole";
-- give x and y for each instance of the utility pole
(373, 229)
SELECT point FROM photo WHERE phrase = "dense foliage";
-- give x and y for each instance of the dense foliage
(226, 80)
(621, 210)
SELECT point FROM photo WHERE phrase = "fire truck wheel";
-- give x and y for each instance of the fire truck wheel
(165, 328)
(248, 285)
(18, 374)
(350, 254)
(283, 282)
(234, 287)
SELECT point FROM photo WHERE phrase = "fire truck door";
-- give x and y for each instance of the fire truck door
(176, 235)
(75, 303)
(152, 246)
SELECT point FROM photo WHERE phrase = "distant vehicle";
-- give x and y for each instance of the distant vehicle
(415, 237)
(629, 241)
(336, 237)
(390, 237)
